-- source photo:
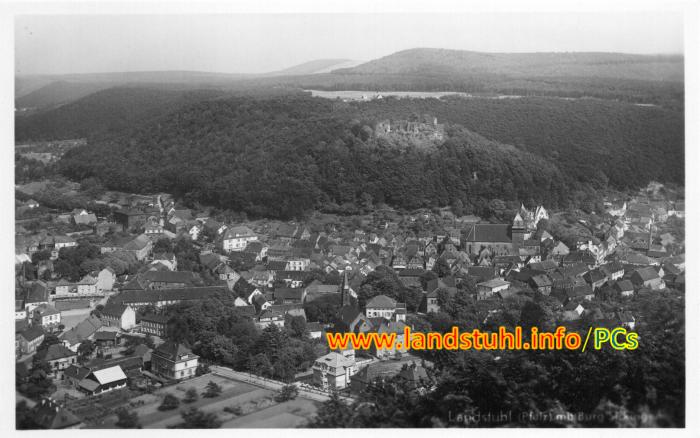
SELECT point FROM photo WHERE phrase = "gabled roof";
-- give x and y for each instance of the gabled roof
(138, 243)
(488, 233)
(32, 333)
(38, 292)
(335, 360)
(185, 277)
(159, 319)
(238, 232)
(287, 293)
(114, 310)
(58, 351)
(109, 375)
(542, 280)
(381, 302)
(82, 331)
(648, 273)
(172, 351)
(495, 282)
(624, 286)
(414, 373)
(175, 294)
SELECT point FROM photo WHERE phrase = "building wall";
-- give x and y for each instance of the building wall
(105, 280)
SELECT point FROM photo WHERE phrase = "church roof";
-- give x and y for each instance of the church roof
(489, 233)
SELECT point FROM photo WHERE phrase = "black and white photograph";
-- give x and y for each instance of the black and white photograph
(459, 217)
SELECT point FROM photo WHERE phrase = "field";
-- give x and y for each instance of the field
(256, 406)
(367, 95)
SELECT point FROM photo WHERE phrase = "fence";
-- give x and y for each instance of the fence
(275, 384)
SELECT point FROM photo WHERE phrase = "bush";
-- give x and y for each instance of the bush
(170, 402)
(287, 392)
(213, 390)
(196, 419)
(127, 419)
(191, 396)
(202, 369)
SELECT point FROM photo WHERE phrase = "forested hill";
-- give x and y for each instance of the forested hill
(574, 64)
(105, 112)
(283, 156)
(591, 140)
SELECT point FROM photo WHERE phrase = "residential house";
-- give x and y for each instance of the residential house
(131, 219)
(59, 357)
(63, 242)
(153, 324)
(595, 278)
(381, 326)
(103, 380)
(106, 339)
(106, 279)
(613, 270)
(624, 287)
(286, 295)
(174, 361)
(382, 306)
(647, 277)
(84, 330)
(572, 311)
(30, 339)
(541, 283)
(118, 315)
(83, 217)
(47, 316)
(165, 297)
(488, 289)
(333, 371)
(268, 317)
(237, 238)
(166, 259)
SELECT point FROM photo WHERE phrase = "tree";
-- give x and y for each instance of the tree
(85, 350)
(297, 326)
(191, 396)
(213, 390)
(287, 392)
(127, 419)
(202, 369)
(334, 413)
(24, 417)
(196, 419)
(170, 402)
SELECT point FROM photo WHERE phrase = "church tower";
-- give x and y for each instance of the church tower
(348, 297)
(518, 233)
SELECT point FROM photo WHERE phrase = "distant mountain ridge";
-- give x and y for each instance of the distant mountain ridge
(316, 66)
(637, 78)
(427, 61)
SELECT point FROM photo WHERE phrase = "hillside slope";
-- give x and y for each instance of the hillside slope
(575, 64)
(107, 111)
(281, 157)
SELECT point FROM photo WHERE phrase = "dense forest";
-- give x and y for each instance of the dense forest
(284, 155)
(596, 388)
(281, 157)
(592, 140)
(105, 112)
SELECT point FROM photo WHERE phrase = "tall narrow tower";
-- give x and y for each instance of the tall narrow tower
(518, 233)
(347, 295)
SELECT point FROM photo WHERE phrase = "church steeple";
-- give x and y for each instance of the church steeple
(346, 293)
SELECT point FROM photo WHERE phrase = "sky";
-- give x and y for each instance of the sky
(239, 43)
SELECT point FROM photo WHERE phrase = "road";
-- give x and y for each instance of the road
(304, 391)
